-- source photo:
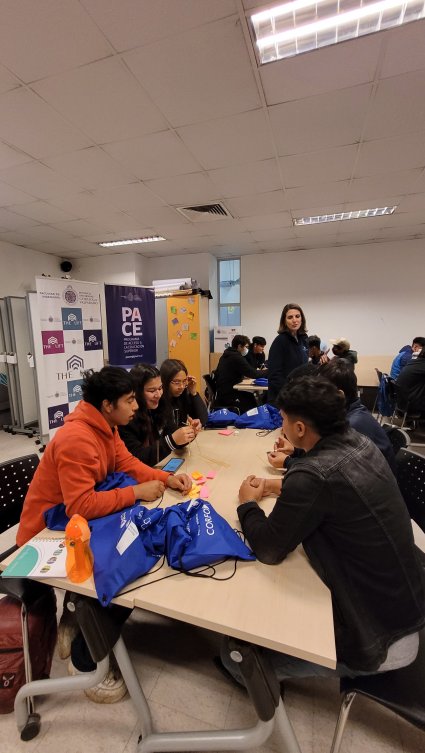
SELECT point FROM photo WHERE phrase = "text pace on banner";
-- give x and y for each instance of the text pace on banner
(71, 338)
(130, 316)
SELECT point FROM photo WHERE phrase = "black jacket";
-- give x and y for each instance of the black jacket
(183, 406)
(231, 369)
(343, 504)
(147, 438)
(411, 386)
(257, 361)
(361, 419)
(285, 354)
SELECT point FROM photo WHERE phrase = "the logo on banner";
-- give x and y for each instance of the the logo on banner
(70, 295)
(75, 391)
(72, 319)
(75, 363)
(93, 339)
(130, 314)
(57, 414)
(52, 342)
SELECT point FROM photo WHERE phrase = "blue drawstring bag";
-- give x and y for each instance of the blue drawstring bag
(221, 417)
(125, 546)
(261, 382)
(56, 517)
(263, 417)
(197, 535)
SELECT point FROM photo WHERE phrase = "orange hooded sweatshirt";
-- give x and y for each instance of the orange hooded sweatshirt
(79, 456)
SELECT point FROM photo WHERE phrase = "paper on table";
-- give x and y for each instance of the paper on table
(41, 558)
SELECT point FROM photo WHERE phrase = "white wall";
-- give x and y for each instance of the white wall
(373, 295)
(20, 266)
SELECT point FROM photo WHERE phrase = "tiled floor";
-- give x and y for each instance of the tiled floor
(185, 691)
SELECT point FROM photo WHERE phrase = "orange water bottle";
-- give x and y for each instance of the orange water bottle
(79, 556)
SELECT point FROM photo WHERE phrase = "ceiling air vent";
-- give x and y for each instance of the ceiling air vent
(205, 212)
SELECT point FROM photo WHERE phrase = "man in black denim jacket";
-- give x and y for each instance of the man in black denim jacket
(342, 502)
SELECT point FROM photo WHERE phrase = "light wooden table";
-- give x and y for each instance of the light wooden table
(247, 385)
(285, 607)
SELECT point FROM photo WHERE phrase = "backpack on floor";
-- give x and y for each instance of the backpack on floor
(42, 631)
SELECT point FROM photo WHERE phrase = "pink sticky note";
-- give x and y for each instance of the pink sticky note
(212, 474)
(226, 432)
(200, 481)
(205, 492)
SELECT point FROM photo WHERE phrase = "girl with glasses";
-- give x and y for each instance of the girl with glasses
(149, 436)
(182, 402)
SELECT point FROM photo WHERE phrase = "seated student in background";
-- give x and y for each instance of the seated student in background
(341, 349)
(410, 385)
(147, 436)
(182, 404)
(256, 356)
(81, 454)
(405, 355)
(231, 369)
(341, 374)
(342, 503)
(316, 355)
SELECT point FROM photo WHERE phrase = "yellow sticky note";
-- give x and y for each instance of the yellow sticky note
(196, 475)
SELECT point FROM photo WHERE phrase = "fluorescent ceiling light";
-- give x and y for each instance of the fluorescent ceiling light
(304, 25)
(338, 216)
(149, 239)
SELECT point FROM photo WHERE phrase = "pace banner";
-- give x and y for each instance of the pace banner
(130, 318)
(71, 342)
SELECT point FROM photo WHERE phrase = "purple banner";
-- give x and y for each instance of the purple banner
(130, 316)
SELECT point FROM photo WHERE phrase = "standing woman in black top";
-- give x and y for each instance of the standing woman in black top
(288, 350)
(182, 403)
(147, 436)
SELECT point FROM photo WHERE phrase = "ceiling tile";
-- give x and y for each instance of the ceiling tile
(130, 23)
(251, 206)
(41, 211)
(158, 216)
(104, 100)
(377, 187)
(311, 195)
(199, 74)
(10, 156)
(42, 182)
(7, 81)
(404, 49)
(90, 168)
(27, 123)
(319, 167)
(398, 106)
(131, 198)
(53, 36)
(328, 120)
(11, 221)
(156, 155)
(267, 221)
(10, 195)
(325, 70)
(254, 177)
(230, 141)
(181, 190)
(390, 155)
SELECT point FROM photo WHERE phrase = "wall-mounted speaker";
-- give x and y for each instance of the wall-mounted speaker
(66, 266)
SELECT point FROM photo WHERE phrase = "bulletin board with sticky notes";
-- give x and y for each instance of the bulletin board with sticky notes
(188, 334)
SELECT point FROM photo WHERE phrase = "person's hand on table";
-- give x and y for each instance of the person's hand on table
(181, 482)
(184, 435)
(283, 444)
(191, 384)
(252, 489)
(149, 491)
(195, 423)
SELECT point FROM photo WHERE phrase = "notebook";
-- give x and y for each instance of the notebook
(40, 558)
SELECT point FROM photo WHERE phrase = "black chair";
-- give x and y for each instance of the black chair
(401, 690)
(398, 437)
(15, 478)
(210, 389)
(411, 480)
(379, 375)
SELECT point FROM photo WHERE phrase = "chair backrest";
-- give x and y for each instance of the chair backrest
(15, 478)
(411, 480)
(386, 396)
(398, 438)
(210, 391)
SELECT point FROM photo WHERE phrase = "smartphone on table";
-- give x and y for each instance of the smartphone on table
(173, 465)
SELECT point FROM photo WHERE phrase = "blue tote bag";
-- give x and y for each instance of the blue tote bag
(197, 535)
(222, 417)
(263, 417)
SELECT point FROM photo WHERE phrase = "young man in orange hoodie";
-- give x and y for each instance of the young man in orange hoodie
(80, 456)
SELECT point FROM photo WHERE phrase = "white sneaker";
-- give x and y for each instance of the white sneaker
(110, 690)
(67, 630)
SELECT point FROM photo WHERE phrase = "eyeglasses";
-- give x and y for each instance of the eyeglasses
(180, 382)
(152, 390)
